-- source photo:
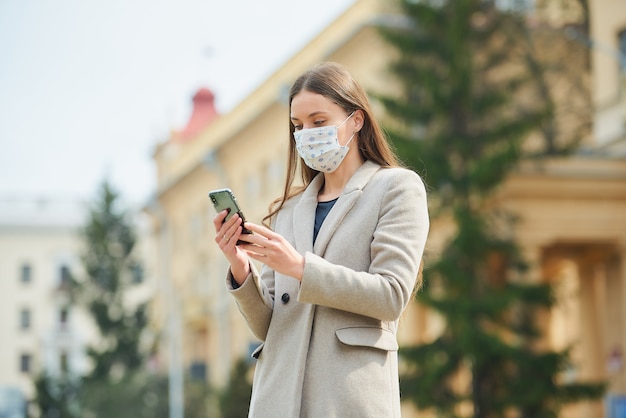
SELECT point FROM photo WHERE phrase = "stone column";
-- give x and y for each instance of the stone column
(616, 321)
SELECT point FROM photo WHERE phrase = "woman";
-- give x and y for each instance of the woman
(339, 265)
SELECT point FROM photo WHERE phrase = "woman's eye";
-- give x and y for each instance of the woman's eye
(297, 127)
(319, 122)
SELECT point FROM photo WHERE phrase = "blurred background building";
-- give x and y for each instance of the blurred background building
(41, 329)
(573, 211)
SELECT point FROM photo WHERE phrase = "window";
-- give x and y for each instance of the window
(64, 363)
(253, 188)
(64, 274)
(25, 319)
(25, 363)
(195, 228)
(63, 316)
(275, 174)
(137, 273)
(26, 273)
(524, 6)
(198, 370)
(621, 39)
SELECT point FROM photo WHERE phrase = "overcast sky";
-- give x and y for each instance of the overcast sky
(87, 88)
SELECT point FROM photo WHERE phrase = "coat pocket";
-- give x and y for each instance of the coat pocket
(368, 337)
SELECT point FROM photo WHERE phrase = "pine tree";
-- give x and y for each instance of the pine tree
(467, 104)
(56, 396)
(111, 268)
(117, 385)
(118, 358)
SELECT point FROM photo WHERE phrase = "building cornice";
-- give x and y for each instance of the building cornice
(568, 178)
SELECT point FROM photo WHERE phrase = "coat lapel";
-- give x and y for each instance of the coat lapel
(304, 216)
(351, 194)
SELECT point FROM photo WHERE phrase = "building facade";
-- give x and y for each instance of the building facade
(573, 211)
(41, 329)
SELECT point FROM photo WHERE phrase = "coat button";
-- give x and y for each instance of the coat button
(285, 297)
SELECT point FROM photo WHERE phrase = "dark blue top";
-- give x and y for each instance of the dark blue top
(320, 214)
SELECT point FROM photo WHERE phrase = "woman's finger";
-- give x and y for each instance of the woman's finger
(218, 220)
(261, 230)
(227, 232)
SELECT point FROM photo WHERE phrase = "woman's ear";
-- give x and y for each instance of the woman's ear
(358, 120)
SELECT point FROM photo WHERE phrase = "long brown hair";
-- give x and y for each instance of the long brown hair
(334, 81)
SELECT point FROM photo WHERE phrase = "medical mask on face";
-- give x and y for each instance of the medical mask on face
(319, 147)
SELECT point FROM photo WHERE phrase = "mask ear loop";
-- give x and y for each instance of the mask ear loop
(341, 124)
(353, 132)
(349, 140)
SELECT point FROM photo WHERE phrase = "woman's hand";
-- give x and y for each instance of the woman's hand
(226, 236)
(272, 250)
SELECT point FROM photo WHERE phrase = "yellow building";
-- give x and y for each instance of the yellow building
(573, 211)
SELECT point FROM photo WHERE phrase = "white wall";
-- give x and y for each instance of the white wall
(42, 234)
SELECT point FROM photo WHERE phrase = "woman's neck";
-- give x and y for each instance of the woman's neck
(335, 182)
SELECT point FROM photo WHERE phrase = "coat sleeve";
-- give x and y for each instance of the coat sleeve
(385, 289)
(255, 299)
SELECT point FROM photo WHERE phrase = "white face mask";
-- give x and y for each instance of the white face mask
(319, 147)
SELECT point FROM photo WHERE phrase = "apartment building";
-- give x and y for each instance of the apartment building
(41, 329)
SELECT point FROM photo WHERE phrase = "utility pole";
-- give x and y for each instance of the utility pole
(171, 314)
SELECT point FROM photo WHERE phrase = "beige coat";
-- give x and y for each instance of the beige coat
(330, 347)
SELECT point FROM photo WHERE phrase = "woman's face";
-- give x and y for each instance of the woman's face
(312, 110)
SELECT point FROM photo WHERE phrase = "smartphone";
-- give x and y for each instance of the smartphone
(225, 199)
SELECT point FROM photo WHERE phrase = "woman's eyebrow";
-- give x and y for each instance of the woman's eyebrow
(317, 112)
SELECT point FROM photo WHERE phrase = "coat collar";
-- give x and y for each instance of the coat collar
(304, 211)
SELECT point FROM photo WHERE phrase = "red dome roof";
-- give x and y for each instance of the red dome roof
(202, 115)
